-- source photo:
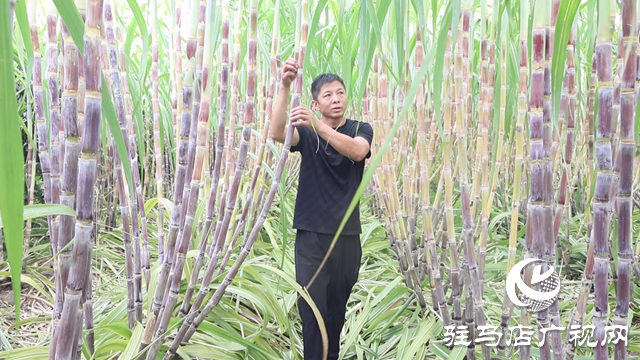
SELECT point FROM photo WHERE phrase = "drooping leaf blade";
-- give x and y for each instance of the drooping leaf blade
(110, 116)
(566, 15)
(11, 157)
(72, 19)
(41, 210)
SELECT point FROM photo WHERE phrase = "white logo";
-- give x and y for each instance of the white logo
(535, 300)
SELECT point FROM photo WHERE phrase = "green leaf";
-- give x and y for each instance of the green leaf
(41, 210)
(110, 115)
(23, 23)
(134, 343)
(566, 15)
(34, 352)
(458, 353)
(11, 156)
(144, 35)
(439, 66)
(72, 19)
(375, 18)
(400, 12)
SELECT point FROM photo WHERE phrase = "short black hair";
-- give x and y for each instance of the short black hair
(322, 79)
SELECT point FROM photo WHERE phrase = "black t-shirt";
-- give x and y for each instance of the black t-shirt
(328, 181)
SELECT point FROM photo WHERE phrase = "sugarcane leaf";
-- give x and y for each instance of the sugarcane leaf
(457, 353)
(203, 351)
(438, 70)
(590, 35)
(400, 26)
(4, 344)
(375, 17)
(354, 332)
(72, 19)
(566, 15)
(33, 283)
(109, 114)
(320, 6)
(421, 12)
(106, 350)
(134, 343)
(144, 34)
(11, 156)
(302, 292)
(23, 23)
(166, 203)
(28, 353)
(422, 336)
(434, 14)
(41, 210)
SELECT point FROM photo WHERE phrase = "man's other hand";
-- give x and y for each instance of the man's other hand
(302, 116)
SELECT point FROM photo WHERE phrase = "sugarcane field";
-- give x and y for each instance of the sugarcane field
(319, 179)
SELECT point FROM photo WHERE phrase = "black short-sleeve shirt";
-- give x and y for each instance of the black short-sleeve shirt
(328, 181)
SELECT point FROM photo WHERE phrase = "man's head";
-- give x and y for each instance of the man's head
(329, 95)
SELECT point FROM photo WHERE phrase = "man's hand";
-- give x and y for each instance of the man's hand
(289, 72)
(302, 116)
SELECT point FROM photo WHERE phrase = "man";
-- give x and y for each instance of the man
(333, 152)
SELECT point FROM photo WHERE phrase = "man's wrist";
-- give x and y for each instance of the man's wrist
(322, 128)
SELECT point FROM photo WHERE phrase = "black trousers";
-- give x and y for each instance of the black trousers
(331, 288)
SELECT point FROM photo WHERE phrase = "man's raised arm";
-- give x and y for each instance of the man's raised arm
(278, 126)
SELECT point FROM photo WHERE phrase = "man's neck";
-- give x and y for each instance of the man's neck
(334, 122)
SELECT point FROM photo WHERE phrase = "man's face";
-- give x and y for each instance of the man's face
(332, 100)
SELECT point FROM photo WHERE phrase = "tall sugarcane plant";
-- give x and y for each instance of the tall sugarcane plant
(82, 245)
(518, 143)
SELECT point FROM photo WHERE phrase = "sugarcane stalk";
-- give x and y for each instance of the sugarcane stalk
(540, 153)
(54, 115)
(30, 178)
(625, 156)
(428, 234)
(234, 104)
(564, 194)
(604, 179)
(422, 177)
(194, 37)
(194, 319)
(636, 267)
(249, 110)
(41, 128)
(195, 108)
(140, 254)
(70, 170)
(123, 196)
(485, 89)
(265, 110)
(158, 151)
(206, 232)
(507, 305)
(177, 74)
(54, 146)
(473, 284)
(80, 269)
(163, 304)
(196, 182)
(588, 273)
(568, 107)
(490, 176)
(448, 181)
